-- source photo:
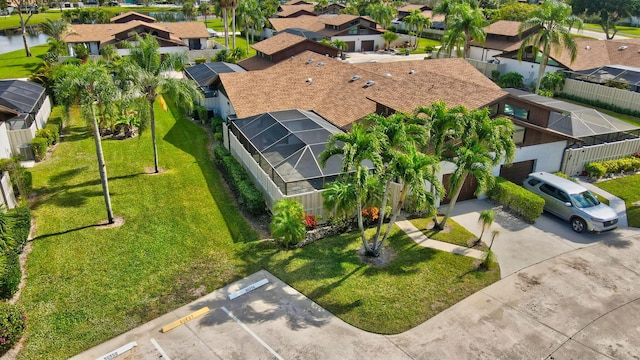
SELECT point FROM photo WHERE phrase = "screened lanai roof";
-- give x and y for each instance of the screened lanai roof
(604, 74)
(291, 141)
(207, 73)
(576, 120)
(21, 96)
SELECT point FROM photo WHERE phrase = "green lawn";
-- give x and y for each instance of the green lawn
(16, 65)
(454, 234)
(13, 21)
(423, 43)
(628, 31)
(184, 237)
(626, 188)
(241, 42)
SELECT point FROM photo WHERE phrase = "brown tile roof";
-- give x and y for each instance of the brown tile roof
(106, 32)
(409, 7)
(429, 14)
(332, 95)
(288, 10)
(496, 44)
(307, 22)
(278, 42)
(453, 81)
(255, 63)
(121, 16)
(503, 27)
(296, 2)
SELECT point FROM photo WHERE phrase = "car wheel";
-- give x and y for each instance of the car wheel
(578, 225)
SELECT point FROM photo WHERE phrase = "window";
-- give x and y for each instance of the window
(534, 182)
(548, 189)
(353, 31)
(516, 111)
(518, 134)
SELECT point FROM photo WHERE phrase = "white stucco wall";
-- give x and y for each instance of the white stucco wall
(224, 106)
(529, 71)
(478, 53)
(5, 145)
(548, 157)
(43, 114)
(378, 41)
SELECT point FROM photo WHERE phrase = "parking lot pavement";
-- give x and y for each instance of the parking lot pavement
(519, 245)
(271, 322)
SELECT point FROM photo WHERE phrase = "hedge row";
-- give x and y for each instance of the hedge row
(239, 181)
(21, 178)
(21, 225)
(10, 272)
(601, 104)
(599, 168)
(46, 137)
(12, 325)
(517, 200)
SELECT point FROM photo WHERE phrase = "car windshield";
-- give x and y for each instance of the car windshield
(585, 200)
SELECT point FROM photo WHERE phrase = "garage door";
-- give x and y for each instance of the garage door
(466, 193)
(517, 172)
(351, 46)
(367, 45)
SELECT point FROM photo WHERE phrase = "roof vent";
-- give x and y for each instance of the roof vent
(387, 75)
(369, 83)
(320, 63)
(623, 47)
(588, 47)
(309, 80)
(354, 78)
(309, 61)
(411, 72)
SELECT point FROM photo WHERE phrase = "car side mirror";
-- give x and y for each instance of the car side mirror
(568, 204)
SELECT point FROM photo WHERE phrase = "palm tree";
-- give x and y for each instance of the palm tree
(356, 147)
(389, 37)
(249, 15)
(288, 224)
(464, 24)
(204, 9)
(413, 21)
(224, 6)
(486, 219)
(339, 197)
(233, 4)
(19, 6)
(152, 81)
(342, 45)
(320, 5)
(554, 20)
(441, 122)
(189, 10)
(482, 144)
(89, 85)
(56, 29)
(382, 13)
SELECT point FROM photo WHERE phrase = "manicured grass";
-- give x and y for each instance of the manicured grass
(183, 237)
(418, 284)
(240, 42)
(579, 36)
(628, 31)
(13, 21)
(16, 65)
(626, 118)
(454, 232)
(626, 188)
(423, 43)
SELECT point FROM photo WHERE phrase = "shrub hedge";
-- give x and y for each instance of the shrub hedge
(39, 146)
(12, 325)
(57, 122)
(517, 200)
(21, 178)
(598, 169)
(10, 274)
(239, 181)
(21, 218)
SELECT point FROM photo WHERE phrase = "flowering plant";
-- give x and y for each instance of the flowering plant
(12, 325)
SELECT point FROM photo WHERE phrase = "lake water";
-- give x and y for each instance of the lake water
(14, 42)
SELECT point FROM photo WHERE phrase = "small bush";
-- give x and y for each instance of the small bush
(10, 274)
(39, 146)
(596, 170)
(72, 61)
(218, 137)
(201, 112)
(200, 61)
(511, 80)
(517, 200)
(250, 197)
(495, 75)
(288, 222)
(370, 215)
(12, 325)
(21, 178)
(310, 221)
(57, 122)
(54, 132)
(21, 217)
(216, 124)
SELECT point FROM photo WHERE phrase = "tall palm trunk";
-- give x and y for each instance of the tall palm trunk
(153, 134)
(381, 213)
(102, 168)
(246, 35)
(23, 26)
(543, 64)
(226, 27)
(395, 213)
(233, 25)
(452, 203)
(365, 243)
(467, 45)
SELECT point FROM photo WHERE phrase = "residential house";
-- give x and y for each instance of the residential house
(437, 21)
(360, 33)
(207, 76)
(172, 36)
(299, 8)
(282, 47)
(24, 108)
(502, 36)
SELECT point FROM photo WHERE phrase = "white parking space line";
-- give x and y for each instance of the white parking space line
(266, 346)
(157, 346)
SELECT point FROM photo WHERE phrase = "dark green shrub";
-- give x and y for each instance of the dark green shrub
(10, 274)
(12, 325)
(54, 132)
(21, 178)
(511, 80)
(72, 61)
(565, 176)
(200, 61)
(239, 181)
(201, 112)
(56, 121)
(595, 169)
(517, 200)
(218, 137)
(216, 124)
(21, 218)
(495, 75)
(39, 146)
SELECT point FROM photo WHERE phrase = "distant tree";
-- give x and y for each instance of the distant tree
(342, 45)
(25, 9)
(204, 9)
(382, 13)
(416, 22)
(56, 29)
(514, 12)
(554, 21)
(189, 10)
(389, 37)
(610, 12)
(249, 15)
(320, 6)
(464, 24)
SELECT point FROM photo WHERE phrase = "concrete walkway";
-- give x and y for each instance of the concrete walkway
(424, 241)
(615, 202)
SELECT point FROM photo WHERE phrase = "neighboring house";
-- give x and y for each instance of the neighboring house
(437, 21)
(24, 108)
(172, 36)
(291, 11)
(592, 54)
(502, 36)
(208, 80)
(360, 33)
(282, 47)
(612, 75)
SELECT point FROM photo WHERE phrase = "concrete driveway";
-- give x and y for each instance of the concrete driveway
(563, 296)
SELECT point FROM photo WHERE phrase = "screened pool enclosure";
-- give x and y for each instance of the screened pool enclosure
(287, 145)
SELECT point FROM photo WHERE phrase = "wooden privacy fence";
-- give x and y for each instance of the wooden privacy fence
(574, 160)
(7, 197)
(20, 137)
(618, 97)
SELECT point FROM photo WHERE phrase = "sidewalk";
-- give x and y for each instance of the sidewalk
(422, 240)
(615, 202)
